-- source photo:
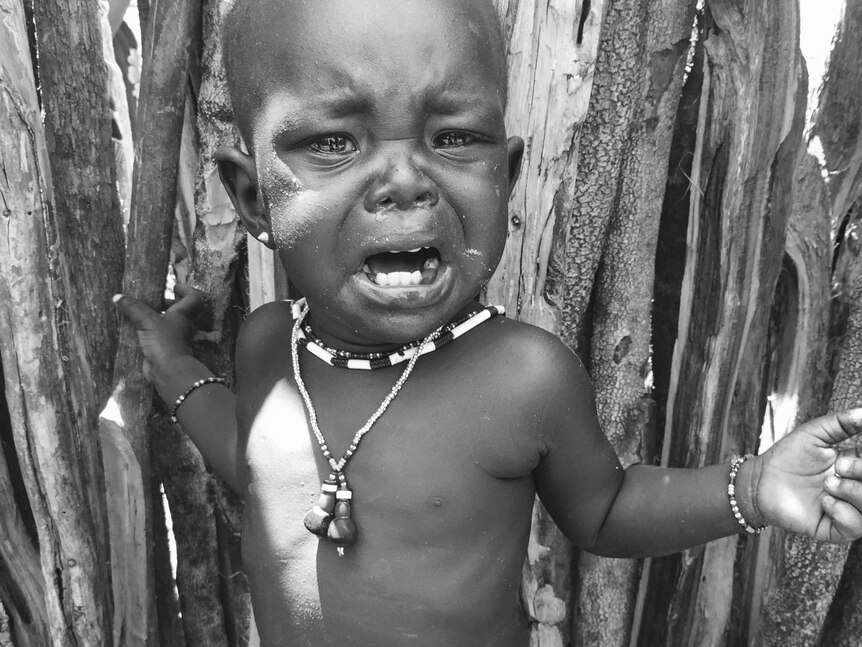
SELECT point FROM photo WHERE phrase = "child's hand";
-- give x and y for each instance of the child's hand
(801, 483)
(163, 337)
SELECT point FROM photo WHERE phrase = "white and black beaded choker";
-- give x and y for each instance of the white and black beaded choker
(332, 516)
(374, 361)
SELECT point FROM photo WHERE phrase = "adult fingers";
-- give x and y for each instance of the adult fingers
(849, 467)
(846, 519)
(190, 303)
(137, 312)
(834, 428)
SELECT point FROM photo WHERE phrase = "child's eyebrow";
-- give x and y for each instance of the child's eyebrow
(455, 102)
(291, 111)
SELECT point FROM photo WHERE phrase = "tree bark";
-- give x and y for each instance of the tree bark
(169, 36)
(215, 605)
(636, 91)
(808, 574)
(552, 50)
(749, 132)
(77, 106)
(791, 588)
(76, 100)
(41, 364)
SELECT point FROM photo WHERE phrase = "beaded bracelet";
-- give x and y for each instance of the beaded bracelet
(198, 384)
(735, 464)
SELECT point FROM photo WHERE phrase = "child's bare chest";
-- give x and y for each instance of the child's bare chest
(442, 488)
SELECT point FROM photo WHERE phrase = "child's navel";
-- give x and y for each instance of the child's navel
(435, 502)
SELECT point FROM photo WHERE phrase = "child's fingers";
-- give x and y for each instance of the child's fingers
(190, 303)
(846, 519)
(135, 311)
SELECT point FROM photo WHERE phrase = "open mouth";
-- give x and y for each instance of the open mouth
(403, 268)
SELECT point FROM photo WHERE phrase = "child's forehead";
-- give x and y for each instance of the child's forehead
(344, 42)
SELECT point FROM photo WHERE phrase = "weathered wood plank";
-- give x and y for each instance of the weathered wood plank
(169, 36)
(76, 100)
(41, 364)
(636, 91)
(749, 132)
(790, 586)
(211, 613)
(808, 576)
(552, 51)
(21, 586)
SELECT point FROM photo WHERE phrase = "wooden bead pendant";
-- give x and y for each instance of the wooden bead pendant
(317, 519)
(342, 530)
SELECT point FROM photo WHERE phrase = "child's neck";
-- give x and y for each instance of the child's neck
(370, 345)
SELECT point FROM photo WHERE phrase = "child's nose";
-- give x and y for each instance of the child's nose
(402, 185)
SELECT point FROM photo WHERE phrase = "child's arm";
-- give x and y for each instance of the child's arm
(208, 414)
(652, 511)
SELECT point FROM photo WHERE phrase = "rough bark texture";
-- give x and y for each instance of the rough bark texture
(808, 574)
(168, 38)
(212, 590)
(21, 587)
(626, 190)
(792, 586)
(838, 116)
(5, 630)
(77, 103)
(552, 50)
(749, 131)
(76, 99)
(41, 365)
(632, 109)
(841, 625)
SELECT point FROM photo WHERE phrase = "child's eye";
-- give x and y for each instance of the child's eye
(333, 145)
(452, 139)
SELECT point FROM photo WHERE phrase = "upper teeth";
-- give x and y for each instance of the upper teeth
(398, 278)
(413, 251)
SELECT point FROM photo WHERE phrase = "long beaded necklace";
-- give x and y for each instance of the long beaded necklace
(331, 516)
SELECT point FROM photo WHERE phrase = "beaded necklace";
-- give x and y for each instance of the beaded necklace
(331, 516)
(375, 361)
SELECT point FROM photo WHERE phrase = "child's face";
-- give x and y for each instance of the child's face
(382, 131)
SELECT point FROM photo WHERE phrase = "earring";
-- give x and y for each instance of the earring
(263, 237)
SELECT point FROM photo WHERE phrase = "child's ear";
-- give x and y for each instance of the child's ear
(239, 176)
(515, 153)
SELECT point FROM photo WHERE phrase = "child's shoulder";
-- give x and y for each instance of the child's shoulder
(265, 332)
(531, 356)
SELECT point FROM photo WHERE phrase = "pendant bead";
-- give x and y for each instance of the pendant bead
(317, 519)
(342, 530)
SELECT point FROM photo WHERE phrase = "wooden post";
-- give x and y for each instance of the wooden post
(43, 358)
(610, 254)
(809, 575)
(552, 51)
(749, 132)
(171, 32)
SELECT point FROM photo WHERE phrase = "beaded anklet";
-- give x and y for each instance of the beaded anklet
(331, 517)
(374, 361)
(735, 464)
(188, 391)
